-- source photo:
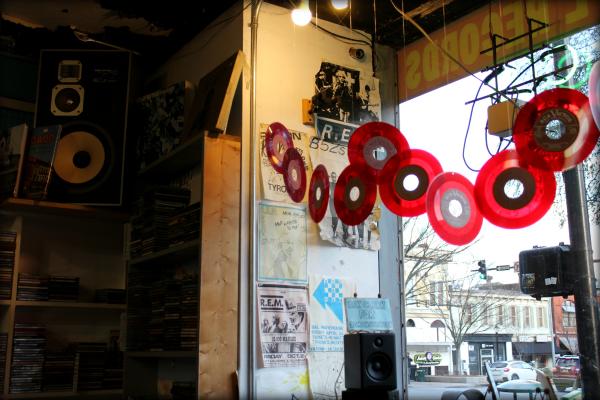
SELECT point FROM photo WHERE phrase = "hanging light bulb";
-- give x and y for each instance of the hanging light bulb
(339, 4)
(302, 15)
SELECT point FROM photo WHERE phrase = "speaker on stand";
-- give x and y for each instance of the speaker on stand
(370, 366)
(87, 92)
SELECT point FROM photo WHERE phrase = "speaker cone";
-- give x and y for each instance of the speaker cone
(379, 366)
(67, 100)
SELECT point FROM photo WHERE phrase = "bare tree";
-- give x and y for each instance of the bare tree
(465, 309)
(425, 254)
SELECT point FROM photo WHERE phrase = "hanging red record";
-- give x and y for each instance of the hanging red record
(374, 144)
(594, 96)
(394, 186)
(318, 193)
(277, 141)
(354, 195)
(452, 210)
(294, 174)
(555, 130)
(530, 190)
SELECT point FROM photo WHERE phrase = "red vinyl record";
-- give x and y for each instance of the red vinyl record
(374, 144)
(594, 96)
(277, 141)
(294, 174)
(532, 188)
(395, 187)
(354, 195)
(318, 193)
(555, 130)
(452, 210)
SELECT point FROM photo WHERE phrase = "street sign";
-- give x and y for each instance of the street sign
(503, 267)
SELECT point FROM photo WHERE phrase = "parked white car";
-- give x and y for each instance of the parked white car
(503, 371)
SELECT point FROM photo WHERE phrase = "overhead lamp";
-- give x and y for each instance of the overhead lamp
(339, 4)
(302, 15)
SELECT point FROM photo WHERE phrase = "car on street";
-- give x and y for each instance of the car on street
(566, 367)
(503, 371)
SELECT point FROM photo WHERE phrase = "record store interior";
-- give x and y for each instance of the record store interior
(213, 199)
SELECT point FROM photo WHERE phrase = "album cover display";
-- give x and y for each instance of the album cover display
(37, 167)
(8, 242)
(13, 144)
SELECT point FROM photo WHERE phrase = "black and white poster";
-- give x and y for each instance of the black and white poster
(343, 94)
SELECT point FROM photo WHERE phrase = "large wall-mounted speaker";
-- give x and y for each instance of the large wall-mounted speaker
(87, 92)
(370, 361)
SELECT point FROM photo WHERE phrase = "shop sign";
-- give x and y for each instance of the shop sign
(543, 338)
(427, 358)
(526, 338)
(423, 67)
(487, 346)
(368, 314)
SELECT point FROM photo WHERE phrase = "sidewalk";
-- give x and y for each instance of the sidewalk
(470, 380)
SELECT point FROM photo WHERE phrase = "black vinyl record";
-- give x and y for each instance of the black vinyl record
(452, 210)
(318, 193)
(522, 207)
(354, 195)
(395, 193)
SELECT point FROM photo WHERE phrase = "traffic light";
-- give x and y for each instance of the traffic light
(482, 270)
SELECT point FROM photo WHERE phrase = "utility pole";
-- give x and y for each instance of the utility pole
(587, 309)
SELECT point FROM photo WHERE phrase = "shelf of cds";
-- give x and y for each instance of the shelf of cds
(176, 261)
(62, 288)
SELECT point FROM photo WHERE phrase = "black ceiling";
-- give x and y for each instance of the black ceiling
(178, 21)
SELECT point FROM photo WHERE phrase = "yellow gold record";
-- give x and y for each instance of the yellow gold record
(80, 157)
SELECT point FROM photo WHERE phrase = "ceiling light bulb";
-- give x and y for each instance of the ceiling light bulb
(339, 4)
(302, 15)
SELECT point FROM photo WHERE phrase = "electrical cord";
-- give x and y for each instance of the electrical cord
(346, 39)
(468, 128)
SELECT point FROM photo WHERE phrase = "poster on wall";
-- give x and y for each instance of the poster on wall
(344, 94)
(272, 181)
(330, 148)
(327, 328)
(282, 315)
(282, 242)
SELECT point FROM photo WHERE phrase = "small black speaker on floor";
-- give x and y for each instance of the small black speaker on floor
(370, 361)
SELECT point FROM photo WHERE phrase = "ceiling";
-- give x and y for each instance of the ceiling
(159, 28)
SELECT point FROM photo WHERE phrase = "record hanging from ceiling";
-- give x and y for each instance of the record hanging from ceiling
(512, 194)
(354, 194)
(277, 141)
(555, 130)
(401, 196)
(452, 210)
(594, 96)
(374, 144)
(294, 174)
(318, 193)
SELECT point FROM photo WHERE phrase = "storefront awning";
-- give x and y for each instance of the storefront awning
(570, 343)
(532, 347)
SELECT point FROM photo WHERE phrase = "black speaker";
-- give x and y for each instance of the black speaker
(87, 92)
(370, 361)
(547, 271)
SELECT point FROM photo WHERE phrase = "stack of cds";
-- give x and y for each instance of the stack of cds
(63, 288)
(7, 262)
(150, 224)
(29, 345)
(91, 359)
(189, 313)
(156, 326)
(183, 390)
(113, 374)
(32, 287)
(3, 347)
(110, 296)
(172, 314)
(139, 309)
(185, 225)
(58, 371)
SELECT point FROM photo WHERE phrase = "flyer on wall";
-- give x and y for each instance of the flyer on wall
(283, 315)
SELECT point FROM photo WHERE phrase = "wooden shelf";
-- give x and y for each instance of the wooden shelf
(4, 302)
(184, 157)
(184, 251)
(39, 207)
(60, 395)
(162, 354)
(70, 304)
